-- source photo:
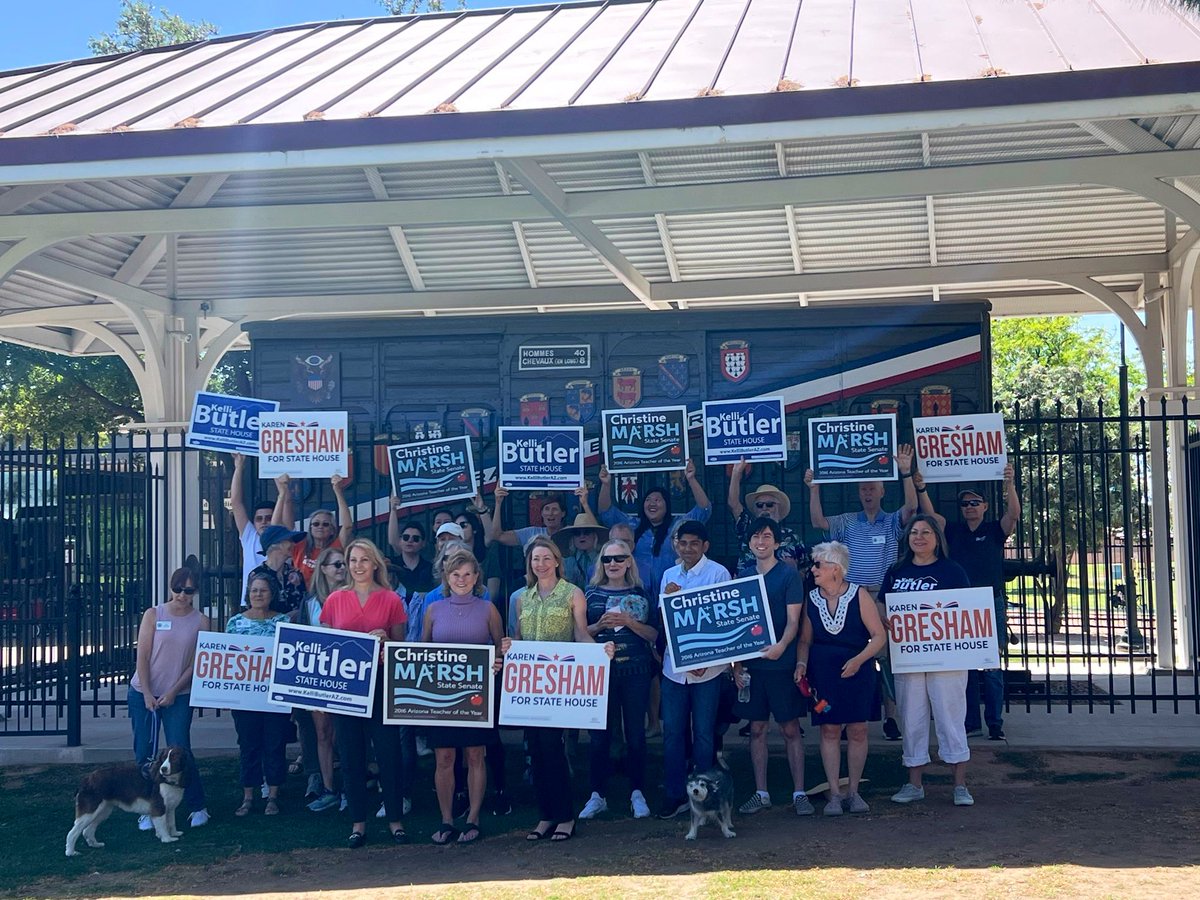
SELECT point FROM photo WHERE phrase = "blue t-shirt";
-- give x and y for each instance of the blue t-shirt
(939, 575)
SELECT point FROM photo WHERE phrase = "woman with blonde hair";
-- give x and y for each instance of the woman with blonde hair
(550, 609)
(369, 606)
(462, 616)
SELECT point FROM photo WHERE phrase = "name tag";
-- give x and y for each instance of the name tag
(878, 540)
(162, 626)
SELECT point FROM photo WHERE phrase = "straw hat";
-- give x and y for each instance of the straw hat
(584, 522)
(769, 490)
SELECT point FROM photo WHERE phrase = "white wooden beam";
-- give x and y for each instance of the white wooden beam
(547, 192)
(22, 195)
(125, 295)
(1125, 136)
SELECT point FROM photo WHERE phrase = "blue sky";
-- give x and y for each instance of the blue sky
(29, 39)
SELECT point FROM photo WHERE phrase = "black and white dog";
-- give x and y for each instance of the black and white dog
(710, 796)
(156, 794)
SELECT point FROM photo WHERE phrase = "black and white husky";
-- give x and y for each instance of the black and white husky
(710, 798)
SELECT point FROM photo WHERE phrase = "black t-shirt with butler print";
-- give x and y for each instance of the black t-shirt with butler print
(940, 575)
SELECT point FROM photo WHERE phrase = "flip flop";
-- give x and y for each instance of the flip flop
(536, 835)
(444, 835)
(557, 837)
(470, 834)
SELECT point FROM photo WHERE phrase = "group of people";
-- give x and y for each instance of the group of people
(596, 580)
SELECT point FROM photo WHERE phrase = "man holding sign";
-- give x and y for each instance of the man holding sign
(689, 698)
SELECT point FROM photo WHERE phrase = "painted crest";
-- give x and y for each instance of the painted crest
(477, 422)
(535, 409)
(627, 489)
(627, 387)
(885, 405)
(315, 378)
(581, 401)
(427, 431)
(937, 400)
(735, 360)
(673, 374)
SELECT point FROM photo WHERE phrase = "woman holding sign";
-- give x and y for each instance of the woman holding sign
(262, 736)
(462, 616)
(618, 610)
(841, 635)
(368, 606)
(925, 566)
(550, 609)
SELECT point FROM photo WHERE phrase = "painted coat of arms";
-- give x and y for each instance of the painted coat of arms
(627, 387)
(673, 374)
(581, 401)
(735, 360)
(316, 379)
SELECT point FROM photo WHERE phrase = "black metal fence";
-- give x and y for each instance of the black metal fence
(86, 527)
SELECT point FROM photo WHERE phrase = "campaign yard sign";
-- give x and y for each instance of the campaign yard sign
(436, 471)
(438, 684)
(718, 624)
(226, 423)
(942, 631)
(303, 444)
(541, 457)
(645, 440)
(752, 430)
(961, 448)
(233, 671)
(325, 669)
(555, 684)
(852, 448)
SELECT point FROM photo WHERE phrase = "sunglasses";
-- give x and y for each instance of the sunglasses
(463, 524)
(411, 538)
(609, 560)
(336, 565)
(322, 524)
(766, 504)
(187, 590)
(970, 503)
(817, 564)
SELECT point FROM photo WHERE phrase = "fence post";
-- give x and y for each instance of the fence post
(74, 687)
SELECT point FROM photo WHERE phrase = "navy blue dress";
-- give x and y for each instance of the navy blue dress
(850, 699)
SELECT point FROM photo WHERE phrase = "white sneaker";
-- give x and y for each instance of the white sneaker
(144, 823)
(641, 809)
(908, 794)
(596, 804)
(198, 818)
(265, 790)
(962, 797)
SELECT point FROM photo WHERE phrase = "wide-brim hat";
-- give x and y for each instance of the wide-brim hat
(769, 490)
(584, 522)
(273, 534)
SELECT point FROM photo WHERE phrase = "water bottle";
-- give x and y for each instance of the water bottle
(744, 690)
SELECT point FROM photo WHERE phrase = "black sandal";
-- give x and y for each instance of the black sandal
(400, 836)
(557, 837)
(536, 835)
(444, 835)
(470, 834)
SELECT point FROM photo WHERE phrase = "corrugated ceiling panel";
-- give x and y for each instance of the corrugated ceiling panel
(597, 172)
(280, 64)
(145, 88)
(1181, 132)
(1085, 35)
(731, 244)
(304, 186)
(854, 236)
(1159, 30)
(352, 61)
(870, 154)
(1044, 224)
(884, 50)
(459, 65)
(481, 256)
(291, 262)
(25, 291)
(1014, 38)
(560, 260)
(740, 162)
(947, 148)
(128, 193)
(756, 59)
(103, 254)
(626, 74)
(820, 56)
(948, 40)
(555, 86)
(639, 241)
(518, 67)
(459, 179)
(692, 64)
(447, 39)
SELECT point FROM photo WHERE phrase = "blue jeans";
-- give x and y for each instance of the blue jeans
(990, 684)
(687, 706)
(176, 722)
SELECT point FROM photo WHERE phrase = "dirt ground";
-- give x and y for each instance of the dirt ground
(1045, 824)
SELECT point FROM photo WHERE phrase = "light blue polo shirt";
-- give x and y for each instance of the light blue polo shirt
(872, 544)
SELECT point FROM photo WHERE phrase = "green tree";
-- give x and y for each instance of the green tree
(412, 7)
(142, 27)
(45, 393)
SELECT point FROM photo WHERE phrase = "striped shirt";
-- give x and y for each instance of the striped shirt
(872, 544)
